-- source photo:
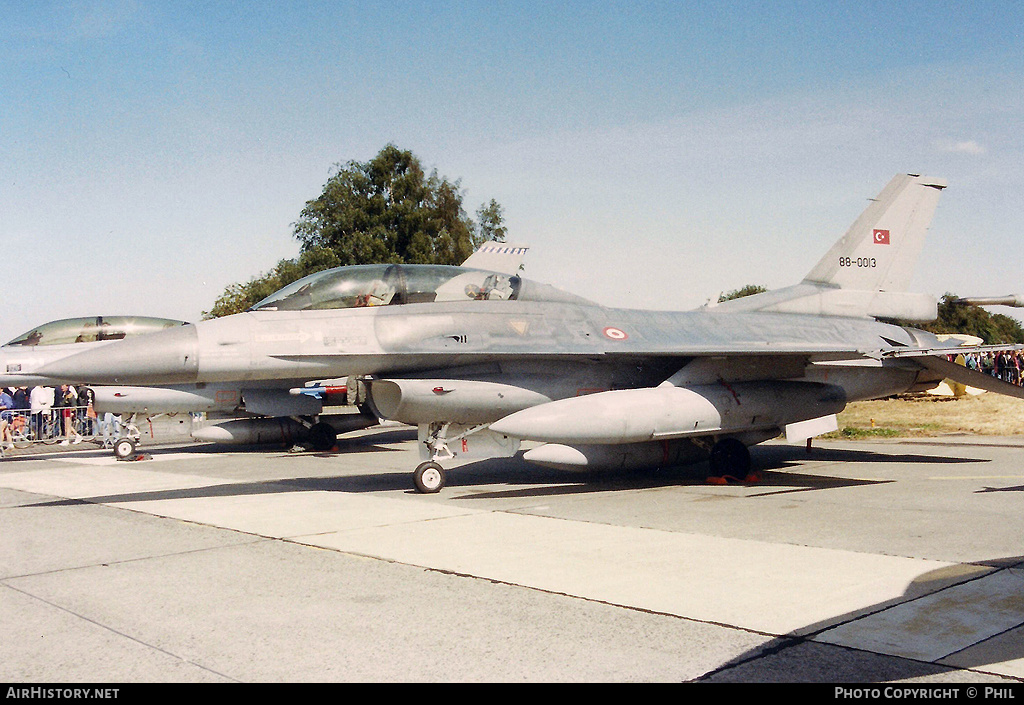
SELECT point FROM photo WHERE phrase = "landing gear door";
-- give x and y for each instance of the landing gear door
(465, 444)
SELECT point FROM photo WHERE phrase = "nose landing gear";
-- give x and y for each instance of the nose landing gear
(429, 477)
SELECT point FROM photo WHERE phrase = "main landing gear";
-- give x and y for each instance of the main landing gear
(729, 458)
(322, 436)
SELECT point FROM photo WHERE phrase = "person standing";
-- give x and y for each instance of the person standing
(40, 404)
(21, 396)
(67, 400)
(87, 398)
(6, 417)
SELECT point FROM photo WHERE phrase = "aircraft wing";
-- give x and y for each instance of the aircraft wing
(902, 351)
(817, 352)
(429, 360)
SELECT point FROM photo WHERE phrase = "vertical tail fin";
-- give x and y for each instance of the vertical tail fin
(880, 250)
(867, 272)
(497, 257)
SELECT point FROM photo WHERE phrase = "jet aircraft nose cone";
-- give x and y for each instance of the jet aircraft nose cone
(166, 357)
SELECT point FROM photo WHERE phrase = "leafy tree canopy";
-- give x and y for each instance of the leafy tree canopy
(237, 298)
(958, 317)
(387, 209)
(748, 290)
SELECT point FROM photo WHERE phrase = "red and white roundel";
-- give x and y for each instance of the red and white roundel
(615, 333)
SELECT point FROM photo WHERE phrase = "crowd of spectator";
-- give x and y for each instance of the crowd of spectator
(61, 412)
(1007, 365)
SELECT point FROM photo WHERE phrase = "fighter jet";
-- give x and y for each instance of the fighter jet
(22, 356)
(484, 361)
(244, 412)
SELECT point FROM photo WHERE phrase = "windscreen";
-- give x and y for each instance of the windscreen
(92, 329)
(390, 285)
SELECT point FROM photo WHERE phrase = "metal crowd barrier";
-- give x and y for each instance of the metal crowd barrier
(63, 425)
(1012, 374)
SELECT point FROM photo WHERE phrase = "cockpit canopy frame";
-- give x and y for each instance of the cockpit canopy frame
(390, 285)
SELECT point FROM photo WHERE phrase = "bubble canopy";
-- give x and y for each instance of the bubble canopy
(92, 329)
(390, 285)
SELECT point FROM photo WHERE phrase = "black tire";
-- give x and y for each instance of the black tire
(124, 448)
(22, 438)
(729, 457)
(322, 436)
(50, 432)
(428, 477)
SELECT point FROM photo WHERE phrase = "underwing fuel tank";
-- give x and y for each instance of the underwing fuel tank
(626, 456)
(165, 400)
(419, 401)
(630, 456)
(274, 430)
(666, 412)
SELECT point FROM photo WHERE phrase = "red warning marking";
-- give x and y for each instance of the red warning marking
(615, 333)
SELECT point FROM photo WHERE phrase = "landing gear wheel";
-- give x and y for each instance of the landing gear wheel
(322, 436)
(730, 457)
(428, 477)
(124, 448)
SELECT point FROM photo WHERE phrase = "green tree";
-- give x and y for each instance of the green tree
(491, 222)
(748, 290)
(237, 298)
(387, 209)
(958, 317)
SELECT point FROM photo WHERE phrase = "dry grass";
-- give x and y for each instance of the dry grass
(984, 414)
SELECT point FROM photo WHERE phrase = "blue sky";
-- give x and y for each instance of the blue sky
(651, 154)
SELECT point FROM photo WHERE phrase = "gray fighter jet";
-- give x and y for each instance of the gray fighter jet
(483, 361)
(21, 357)
(24, 355)
(245, 412)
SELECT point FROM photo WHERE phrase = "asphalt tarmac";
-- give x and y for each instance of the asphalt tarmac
(858, 562)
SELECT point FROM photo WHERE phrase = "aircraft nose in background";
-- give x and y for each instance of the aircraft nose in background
(166, 357)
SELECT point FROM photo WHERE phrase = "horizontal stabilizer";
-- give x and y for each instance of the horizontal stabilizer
(969, 377)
